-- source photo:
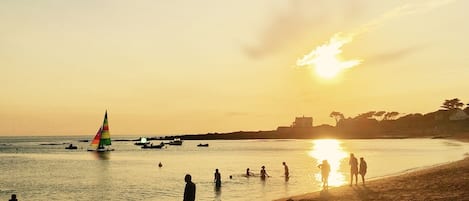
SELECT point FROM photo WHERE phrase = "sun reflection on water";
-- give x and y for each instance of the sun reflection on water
(330, 150)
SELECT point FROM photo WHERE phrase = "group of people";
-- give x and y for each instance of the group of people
(355, 169)
(189, 190)
(263, 173)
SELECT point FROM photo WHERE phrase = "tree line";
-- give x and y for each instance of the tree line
(392, 123)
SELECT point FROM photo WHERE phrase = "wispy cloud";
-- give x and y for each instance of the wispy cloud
(287, 26)
(336, 45)
(394, 55)
(283, 28)
(400, 11)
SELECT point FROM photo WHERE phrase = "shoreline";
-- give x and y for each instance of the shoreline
(447, 181)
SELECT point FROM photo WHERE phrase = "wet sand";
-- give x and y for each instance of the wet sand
(443, 182)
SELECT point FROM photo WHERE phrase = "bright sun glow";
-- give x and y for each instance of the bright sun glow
(326, 58)
(331, 151)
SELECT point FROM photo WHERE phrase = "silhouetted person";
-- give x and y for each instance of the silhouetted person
(248, 173)
(217, 178)
(363, 168)
(325, 170)
(263, 173)
(353, 162)
(189, 191)
(286, 169)
(13, 197)
(160, 164)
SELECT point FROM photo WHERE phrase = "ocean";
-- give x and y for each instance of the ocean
(35, 171)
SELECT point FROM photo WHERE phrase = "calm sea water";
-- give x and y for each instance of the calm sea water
(49, 172)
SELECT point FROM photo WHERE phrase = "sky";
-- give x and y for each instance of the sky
(190, 67)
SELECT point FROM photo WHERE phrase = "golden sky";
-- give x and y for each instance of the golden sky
(175, 67)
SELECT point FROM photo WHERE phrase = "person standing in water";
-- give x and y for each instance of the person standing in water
(248, 173)
(189, 191)
(217, 179)
(287, 174)
(325, 170)
(13, 198)
(363, 168)
(353, 162)
(263, 173)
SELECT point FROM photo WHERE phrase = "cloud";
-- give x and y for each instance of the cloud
(286, 27)
(303, 16)
(283, 28)
(323, 57)
(403, 10)
(393, 55)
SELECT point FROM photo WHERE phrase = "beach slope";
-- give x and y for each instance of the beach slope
(444, 182)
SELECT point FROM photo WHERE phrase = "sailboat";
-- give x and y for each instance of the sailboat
(102, 140)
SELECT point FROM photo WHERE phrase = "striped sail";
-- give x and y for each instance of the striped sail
(97, 138)
(102, 137)
(105, 135)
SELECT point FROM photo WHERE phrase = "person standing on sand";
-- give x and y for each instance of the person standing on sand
(286, 169)
(189, 191)
(363, 168)
(217, 179)
(353, 162)
(325, 170)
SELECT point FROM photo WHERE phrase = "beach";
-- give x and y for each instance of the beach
(443, 182)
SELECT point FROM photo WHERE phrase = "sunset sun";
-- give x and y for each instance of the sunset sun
(326, 59)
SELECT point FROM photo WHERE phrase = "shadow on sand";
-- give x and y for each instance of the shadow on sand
(362, 192)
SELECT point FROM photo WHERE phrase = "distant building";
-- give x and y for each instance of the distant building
(300, 125)
(303, 122)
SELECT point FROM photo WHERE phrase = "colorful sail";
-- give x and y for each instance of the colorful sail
(97, 138)
(105, 135)
(102, 138)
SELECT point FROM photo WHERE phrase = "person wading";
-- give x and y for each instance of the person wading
(189, 191)
(217, 179)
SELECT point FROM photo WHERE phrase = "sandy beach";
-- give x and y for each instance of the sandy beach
(443, 182)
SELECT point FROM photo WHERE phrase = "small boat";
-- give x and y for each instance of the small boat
(202, 145)
(176, 141)
(102, 140)
(151, 146)
(71, 146)
(143, 141)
